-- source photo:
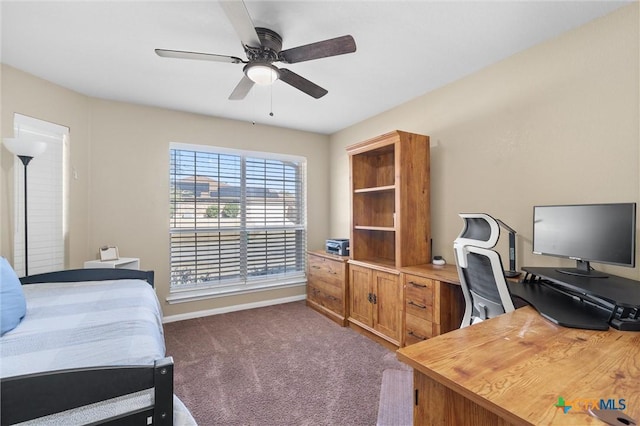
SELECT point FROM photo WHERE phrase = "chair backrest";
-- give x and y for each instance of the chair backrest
(480, 269)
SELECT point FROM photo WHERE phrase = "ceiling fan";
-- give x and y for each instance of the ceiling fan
(263, 47)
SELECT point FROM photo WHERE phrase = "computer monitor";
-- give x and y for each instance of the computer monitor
(602, 233)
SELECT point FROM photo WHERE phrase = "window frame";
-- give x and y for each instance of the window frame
(244, 283)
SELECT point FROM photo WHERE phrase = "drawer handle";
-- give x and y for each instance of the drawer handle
(417, 336)
(417, 305)
(417, 284)
(320, 267)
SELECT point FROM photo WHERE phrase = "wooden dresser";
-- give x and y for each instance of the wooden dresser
(327, 284)
(427, 298)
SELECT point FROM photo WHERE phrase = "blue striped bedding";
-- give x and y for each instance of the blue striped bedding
(85, 324)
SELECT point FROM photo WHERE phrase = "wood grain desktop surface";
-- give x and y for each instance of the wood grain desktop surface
(446, 273)
(515, 367)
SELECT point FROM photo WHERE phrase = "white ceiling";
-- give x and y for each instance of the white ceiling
(105, 49)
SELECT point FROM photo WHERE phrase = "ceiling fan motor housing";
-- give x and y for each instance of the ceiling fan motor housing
(271, 46)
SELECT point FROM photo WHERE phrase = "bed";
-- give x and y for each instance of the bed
(90, 350)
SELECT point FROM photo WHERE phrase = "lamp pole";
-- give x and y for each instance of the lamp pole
(25, 150)
(25, 160)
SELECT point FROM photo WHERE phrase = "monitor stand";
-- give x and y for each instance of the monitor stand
(583, 269)
(580, 273)
(581, 302)
(511, 274)
(559, 308)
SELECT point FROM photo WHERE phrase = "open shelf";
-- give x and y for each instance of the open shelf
(373, 244)
(374, 210)
(374, 169)
(375, 228)
(377, 263)
(375, 189)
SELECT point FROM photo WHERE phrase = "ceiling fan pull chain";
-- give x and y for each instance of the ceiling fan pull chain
(271, 107)
(253, 108)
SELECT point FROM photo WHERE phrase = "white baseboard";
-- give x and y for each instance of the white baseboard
(233, 308)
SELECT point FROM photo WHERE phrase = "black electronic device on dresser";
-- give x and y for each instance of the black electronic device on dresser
(338, 246)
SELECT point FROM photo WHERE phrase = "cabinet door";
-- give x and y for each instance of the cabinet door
(388, 304)
(361, 309)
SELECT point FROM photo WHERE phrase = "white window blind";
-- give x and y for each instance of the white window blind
(237, 218)
(46, 197)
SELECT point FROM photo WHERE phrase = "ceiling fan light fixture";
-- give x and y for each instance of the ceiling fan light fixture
(262, 74)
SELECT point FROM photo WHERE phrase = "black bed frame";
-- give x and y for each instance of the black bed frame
(32, 396)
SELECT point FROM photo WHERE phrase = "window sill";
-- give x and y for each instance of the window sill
(194, 294)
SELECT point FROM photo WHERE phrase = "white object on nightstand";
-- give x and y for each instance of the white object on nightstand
(122, 263)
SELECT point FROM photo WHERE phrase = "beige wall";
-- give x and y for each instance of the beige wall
(121, 155)
(27, 95)
(129, 183)
(558, 123)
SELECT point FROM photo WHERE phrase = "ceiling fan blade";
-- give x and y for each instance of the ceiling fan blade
(181, 54)
(241, 89)
(320, 49)
(302, 83)
(239, 17)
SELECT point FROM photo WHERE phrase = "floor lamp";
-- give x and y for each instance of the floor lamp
(25, 150)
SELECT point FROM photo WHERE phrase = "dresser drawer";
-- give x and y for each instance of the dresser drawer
(332, 272)
(418, 329)
(327, 296)
(419, 297)
(327, 283)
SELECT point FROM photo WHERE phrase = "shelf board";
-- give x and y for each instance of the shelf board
(387, 265)
(375, 189)
(375, 228)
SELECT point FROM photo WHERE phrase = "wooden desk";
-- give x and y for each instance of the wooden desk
(445, 273)
(513, 368)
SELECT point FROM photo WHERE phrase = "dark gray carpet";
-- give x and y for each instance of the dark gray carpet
(279, 365)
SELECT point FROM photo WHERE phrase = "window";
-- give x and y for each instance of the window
(238, 220)
(46, 197)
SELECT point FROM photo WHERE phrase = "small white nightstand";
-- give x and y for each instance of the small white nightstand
(122, 263)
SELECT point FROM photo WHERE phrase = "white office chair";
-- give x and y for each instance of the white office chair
(480, 270)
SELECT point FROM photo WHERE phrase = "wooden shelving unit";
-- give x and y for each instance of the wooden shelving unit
(390, 228)
(390, 199)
